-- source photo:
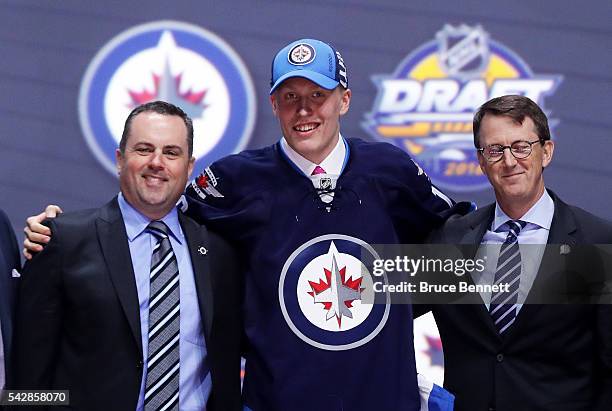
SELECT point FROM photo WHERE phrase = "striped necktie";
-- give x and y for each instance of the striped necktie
(162, 384)
(503, 303)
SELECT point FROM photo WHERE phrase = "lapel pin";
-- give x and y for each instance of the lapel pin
(202, 250)
(564, 249)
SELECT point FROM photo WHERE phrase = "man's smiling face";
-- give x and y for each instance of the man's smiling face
(155, 166)
(515, 181)
(309, 116)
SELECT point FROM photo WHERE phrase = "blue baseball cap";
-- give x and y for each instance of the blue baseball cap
(311, 59)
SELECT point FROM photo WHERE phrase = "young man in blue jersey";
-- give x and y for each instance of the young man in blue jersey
(305, 211)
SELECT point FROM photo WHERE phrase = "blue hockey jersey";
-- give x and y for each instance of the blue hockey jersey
(312, 343)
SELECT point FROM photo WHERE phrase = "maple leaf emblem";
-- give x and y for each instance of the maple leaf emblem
(144, 96)
(202, 180)
(336, 292)
(205, 183)
(167, 87)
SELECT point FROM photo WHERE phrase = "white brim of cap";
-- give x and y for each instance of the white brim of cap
(318, 78)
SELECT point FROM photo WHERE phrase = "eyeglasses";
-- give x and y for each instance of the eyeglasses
(519, 149)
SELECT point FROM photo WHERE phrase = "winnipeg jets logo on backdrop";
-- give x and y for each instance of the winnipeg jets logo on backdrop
(175, 62)
(326, 293)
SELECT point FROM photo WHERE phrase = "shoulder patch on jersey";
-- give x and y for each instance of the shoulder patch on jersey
(211, 176)
(418, 167)
(205, 184)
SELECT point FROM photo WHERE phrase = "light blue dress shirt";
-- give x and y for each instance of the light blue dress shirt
(532, 241)
(194, 375)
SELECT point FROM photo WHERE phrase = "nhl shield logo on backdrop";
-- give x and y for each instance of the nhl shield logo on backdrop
(326, 293)
(463, 51)
(176, 62)
(426, 106)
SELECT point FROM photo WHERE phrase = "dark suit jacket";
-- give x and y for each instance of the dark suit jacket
(79, 321)
(9, 259)
(554, 357)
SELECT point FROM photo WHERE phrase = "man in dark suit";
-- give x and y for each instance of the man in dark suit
(134, 305)
(9, 261)
(504, 351)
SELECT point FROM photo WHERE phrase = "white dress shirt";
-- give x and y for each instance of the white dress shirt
(333, 165)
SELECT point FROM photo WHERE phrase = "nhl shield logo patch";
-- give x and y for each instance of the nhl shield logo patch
(176, 62)
(326, 293)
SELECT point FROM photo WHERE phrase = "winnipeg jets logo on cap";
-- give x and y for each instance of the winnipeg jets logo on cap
(326, 293)
(301, 54)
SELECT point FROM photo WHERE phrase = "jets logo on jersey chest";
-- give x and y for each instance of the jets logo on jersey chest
(326, 294)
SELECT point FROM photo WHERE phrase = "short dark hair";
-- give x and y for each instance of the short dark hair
(160, 107)
(515, 107)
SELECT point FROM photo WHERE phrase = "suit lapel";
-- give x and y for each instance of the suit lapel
(6, 297)
(113, 241)
(478, 223)
(198, 244)
(476, 228)
(553, 261)
(563, 224)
